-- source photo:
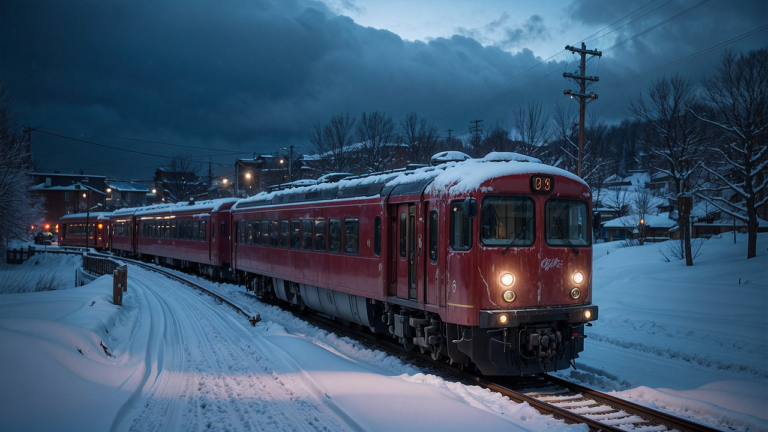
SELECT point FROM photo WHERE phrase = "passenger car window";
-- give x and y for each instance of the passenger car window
(295, 234)
(334, 236)
(306, 234)
(461, 228)
(433, 232)
(320, 234)
(351, 236)
(284, 228)
(265, 233)
(273, 232)
(377, 236)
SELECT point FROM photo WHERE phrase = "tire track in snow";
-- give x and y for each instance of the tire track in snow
(227, 383)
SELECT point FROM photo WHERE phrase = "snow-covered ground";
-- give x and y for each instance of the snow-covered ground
(691, 341)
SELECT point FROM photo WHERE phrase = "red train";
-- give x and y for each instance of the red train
(73, 229)
(191, 235)
(483, 261)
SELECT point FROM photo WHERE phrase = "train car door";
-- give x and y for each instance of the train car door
(405, 253)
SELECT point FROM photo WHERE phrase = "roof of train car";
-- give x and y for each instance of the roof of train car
(459, 177)
(92, 215)
(179, 207)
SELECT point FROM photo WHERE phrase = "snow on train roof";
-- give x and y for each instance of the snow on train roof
(202, 206)
(92, 215)
(460, 177)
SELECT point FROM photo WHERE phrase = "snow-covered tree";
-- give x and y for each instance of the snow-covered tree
(738, 95)
(497, 139)
(332, 144)
(180, 178)
(675, 138)
(19, 208)
(376, 134)
(531, 128)
(419, 137)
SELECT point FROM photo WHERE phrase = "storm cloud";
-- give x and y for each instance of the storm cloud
(253, 76)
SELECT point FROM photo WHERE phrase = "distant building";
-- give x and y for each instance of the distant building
(63, 193)
(124, 194)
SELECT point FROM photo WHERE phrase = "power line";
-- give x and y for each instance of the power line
(626, 24)
(128, 150)
(534, 66)
(653, 27)
(128, 139)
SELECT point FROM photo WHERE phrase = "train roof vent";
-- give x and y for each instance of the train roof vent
(448, 156)
(191, 200)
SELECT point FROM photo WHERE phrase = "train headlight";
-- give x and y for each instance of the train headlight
(578, 277)
(575, 293)
(502, 319)
(509, 296)
(588, 314)
(507, 279)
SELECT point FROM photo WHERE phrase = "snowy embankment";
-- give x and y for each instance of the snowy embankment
(688, 340)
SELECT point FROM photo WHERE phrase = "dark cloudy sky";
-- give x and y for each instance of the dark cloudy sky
(254, 75)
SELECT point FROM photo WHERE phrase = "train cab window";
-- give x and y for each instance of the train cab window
(265, 233)
(461, 228)
(284, 233)
(351, 236)
(433, 232)
(320, 235)
(566, 223)
(273, 233)
(334, 236)
(295, 234)
(306, 234)
(505, 220)
(403, 235)
(377, 236)
(248, 232)
(202, 232)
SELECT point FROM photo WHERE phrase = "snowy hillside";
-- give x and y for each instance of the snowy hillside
(688, 340)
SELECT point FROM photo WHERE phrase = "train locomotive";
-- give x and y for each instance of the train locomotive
(484, 261)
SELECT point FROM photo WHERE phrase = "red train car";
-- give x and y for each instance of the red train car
(124, 232)
(192, 235)
(74, 228)
(484, 261)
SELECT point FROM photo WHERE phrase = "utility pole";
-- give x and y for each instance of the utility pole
(290, 165)
(449, 133)
(210, 173)
(476, 131)
(582, 79)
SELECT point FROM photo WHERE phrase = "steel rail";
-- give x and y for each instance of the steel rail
(649, 414)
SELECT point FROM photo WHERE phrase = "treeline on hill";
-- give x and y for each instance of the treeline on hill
(707, 139)
(18, 207)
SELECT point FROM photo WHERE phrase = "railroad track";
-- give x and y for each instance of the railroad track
(573, 403)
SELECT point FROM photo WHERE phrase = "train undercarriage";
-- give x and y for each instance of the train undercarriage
(545, 343)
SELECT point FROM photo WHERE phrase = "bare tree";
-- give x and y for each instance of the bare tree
(376, 134)
(332, 142)
(420, 138)
(179, 177)
(497, 139)
(675, 138)
(19, 208)
(531, 128)
(738, 94)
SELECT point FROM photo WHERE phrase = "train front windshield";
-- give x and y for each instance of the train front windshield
(506, 219)
(566, 223)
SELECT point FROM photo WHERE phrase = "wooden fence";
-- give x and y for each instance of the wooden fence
(104, 266)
